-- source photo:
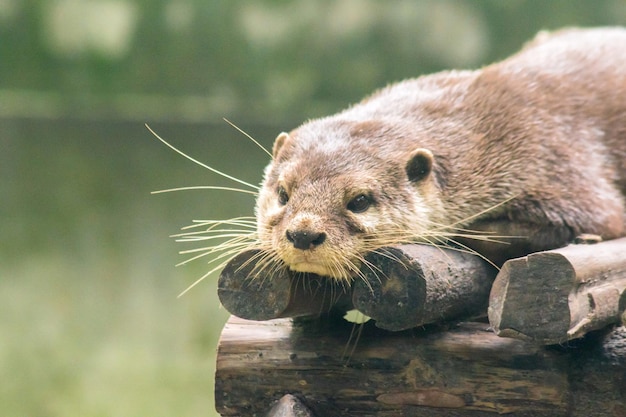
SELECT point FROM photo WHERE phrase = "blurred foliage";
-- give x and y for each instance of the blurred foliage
(271, 60)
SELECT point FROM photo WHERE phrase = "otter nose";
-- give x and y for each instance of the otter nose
(305, 239)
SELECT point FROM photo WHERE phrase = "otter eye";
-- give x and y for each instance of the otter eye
(283, 197)
(359, 204)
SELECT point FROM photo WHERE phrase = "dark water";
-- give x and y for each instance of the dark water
(90, 322)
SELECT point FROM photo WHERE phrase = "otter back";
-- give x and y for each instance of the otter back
(531, 149)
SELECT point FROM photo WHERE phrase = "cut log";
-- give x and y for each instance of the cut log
(250, 293)
(555, 296)
(412, 285)
(465, 371)
(399, 287)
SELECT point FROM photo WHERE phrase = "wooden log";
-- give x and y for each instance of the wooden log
(400, 287)
(466, 371)
(412, 285)
(250, 293)
(555, 296)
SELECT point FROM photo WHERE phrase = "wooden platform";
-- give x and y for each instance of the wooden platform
(465, 370)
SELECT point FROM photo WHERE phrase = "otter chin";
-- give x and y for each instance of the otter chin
(312, 268)
(520, 156)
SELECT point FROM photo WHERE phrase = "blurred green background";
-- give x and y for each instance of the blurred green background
(90, 322)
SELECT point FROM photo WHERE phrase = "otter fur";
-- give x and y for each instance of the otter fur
(530, 150)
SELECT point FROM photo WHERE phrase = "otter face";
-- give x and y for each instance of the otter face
(327, 201)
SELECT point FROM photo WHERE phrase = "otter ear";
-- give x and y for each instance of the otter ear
(278, 143)
(420, 164)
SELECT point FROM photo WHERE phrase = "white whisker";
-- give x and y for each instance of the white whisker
(230, 177)
(205, 187)
(249, 137)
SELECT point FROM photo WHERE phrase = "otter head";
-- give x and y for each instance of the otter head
(331, 194)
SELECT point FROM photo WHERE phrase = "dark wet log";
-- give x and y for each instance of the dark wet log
(400, 288)
(250, 293)
(412, 285)
(555, 296)
(463, 371)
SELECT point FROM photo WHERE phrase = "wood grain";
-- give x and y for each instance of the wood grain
(412, 285)
(463, 371)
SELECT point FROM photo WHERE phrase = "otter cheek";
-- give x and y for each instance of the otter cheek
(370, 221)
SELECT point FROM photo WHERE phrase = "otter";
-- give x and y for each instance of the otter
(520, 156)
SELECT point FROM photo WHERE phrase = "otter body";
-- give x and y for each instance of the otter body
(532, 148)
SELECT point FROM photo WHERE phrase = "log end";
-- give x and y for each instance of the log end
(529, 298)
(247, 293)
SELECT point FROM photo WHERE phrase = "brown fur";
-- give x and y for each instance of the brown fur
(533, 146)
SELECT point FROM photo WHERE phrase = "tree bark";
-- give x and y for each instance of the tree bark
(412, 285)
(399, 287)
(463, 371)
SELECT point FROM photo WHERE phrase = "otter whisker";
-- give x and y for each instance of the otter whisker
(234, 249)
(374, 269)
(265, 264)
(388, 254)
(199, 280)
(336, 292)
(186, 261)
(483, 212)
(244, 230)
(248, 136)
(234, 242)
(215, 228)
(460, 247)
(230, 177)
(261, 261)
(359, 331)
(328, 291)
(298, 279)
(440, 236)
(229, 245)
(276, 265)
(264, 259)
(212, 227)
(205, 187)
(230, 250)
(223, 234)
(248, 228)
(433, 238)
(228, 254)
(244, 220)
(217, 235)
(487, 236)
(342, 267)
